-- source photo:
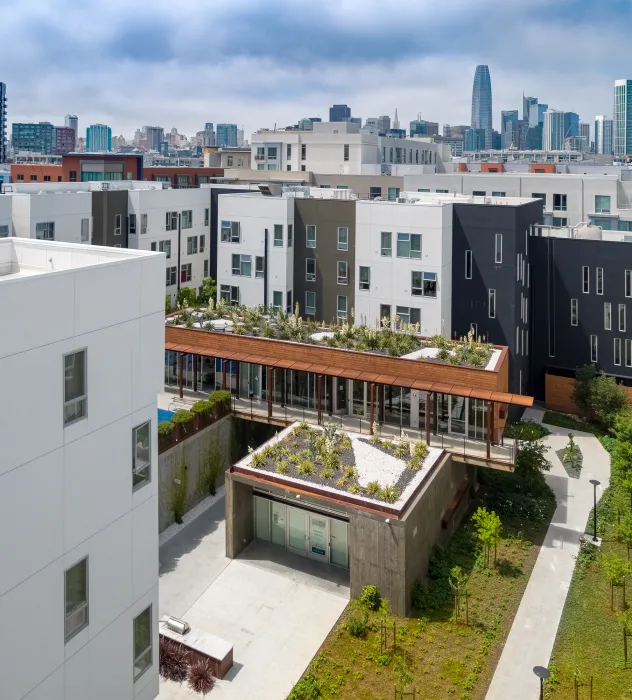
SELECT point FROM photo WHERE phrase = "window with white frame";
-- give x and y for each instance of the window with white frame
(593, 348)
(430, 284)
(574, 312)
(4, 232)
(385, 315)
(343, 238)
(185, 273)
(409, 245)
(202, 243)
(143, 651)
(617, 351)
(165, 247)
(310, 236)
(498, 248)
(141, 457)
(496, 193)
(143, 224)
(277, 301)
(75, 599)
(278, 235)
(386, 244)
(491, 309)
(45, 231)
(85, 230)
(343, 272)
(341, 306)
(192, 245)
(559, 202)
(628, 352)
(310, 303)
(602, 204)
(416, 283)
(172, 276)
(206, 268)
(468, 264)
(117, 224)
(171, 221)
(259, 267)
(229, 293)
(75, 389)
(585, 279)
(187, 218)
(310, 269)
(607, 315)
(230, 232)
(622, 320)
(628, 283)
(599, 280)
(207, 216)
(131, 224)
(288, 307)
(408, 314)
(242, 265)
(364, 278)
(288, 151)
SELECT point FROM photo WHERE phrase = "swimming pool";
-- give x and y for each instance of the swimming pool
(164, 415)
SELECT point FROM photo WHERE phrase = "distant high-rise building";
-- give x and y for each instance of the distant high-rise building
(98, 138)
(509, 133)
(339, 113)
(475, 140)
(622, 120)
(526, 106)
(536, 114)
(584, 132)
(482, 103)
(72, 121)
(422, 127)
(396, 120)
(208, 135)
(553, 130)
(240, 138)
(450, 130)
(154, 135)
(384, 123)
(571, 124)
(603, 135)
(3, 123)
(226, 135)
(37, 138)
(65, 138)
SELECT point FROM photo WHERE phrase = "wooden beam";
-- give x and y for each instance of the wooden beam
(371, 406)
(488, 433)
(181, 373)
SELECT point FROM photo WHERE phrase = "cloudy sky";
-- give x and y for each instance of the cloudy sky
(127, 63)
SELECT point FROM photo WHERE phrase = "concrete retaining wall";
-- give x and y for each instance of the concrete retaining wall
(193, 449)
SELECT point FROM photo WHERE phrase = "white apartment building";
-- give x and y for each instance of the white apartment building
(345, 149)
(81, 357)
(52, 214)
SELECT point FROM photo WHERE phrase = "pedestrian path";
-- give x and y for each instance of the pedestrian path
(531, 638)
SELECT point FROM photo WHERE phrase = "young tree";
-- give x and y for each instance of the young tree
(207, 291)
(458, 582)
(572, 455)
(488, 530)
(531, 462)
(625, 620)
(584, 377)
(616, 570)
(607, 398)
(624, 532)
(186, 297)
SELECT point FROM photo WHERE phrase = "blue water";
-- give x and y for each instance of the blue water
(164, 415)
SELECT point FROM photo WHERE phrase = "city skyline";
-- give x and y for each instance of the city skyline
(70, 64)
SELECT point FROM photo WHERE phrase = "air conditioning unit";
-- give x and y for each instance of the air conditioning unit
(176, 625)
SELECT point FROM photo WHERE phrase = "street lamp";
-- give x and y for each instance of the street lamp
(595, 483)
(541, 673)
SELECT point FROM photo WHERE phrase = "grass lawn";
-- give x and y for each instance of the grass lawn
(589, 638)
(432, 653)
(561, 420)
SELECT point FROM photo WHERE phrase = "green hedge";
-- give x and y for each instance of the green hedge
(202, 407)
(165, 428)
(220, 400)
(182, 417)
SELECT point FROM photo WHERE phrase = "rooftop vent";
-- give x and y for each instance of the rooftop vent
(176, 625)
(271, 189)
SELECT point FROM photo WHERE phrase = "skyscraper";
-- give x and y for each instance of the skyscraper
(155, 135)
(553, 130)
(584, 132)
(72, 121)
(526, 106)
(98, 138)
(509, 133)
(603, 135)
(339, 113)
(622, 122)
(482, 103)
(571, 124)
(36, 138)
(226, 135)
(3, 123)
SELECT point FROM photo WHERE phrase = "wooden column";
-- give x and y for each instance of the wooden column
(181, 374)
(270, 390)
(237, 379)
(195, 382)
(224, 363)
(319, 397)
(493, 422)
(371, 406)
(489, 421)
(428, 409)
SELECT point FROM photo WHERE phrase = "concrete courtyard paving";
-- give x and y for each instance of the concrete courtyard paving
(275, 607)
(532, 635)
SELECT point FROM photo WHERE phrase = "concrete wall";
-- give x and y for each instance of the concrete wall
(240, 528)
(193, 450)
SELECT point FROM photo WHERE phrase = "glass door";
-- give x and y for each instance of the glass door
(476, 419)
(442, 414)
(278, 523)
(297, 530)
(318, 537)
(457, 415)
(338, 543)
(359, 398)
(341, 395)
(262, 519)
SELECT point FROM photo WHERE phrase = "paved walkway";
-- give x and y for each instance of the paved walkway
(534, 629)
(274, 606)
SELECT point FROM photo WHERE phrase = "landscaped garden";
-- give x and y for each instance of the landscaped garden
(463, 611)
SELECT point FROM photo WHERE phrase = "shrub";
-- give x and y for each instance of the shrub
(210, 468)
(179, 490)
(327, 473)
(584, 377)
(401, 450)
(370, 598)
(220, 402)
(200, 678)
(354, 489)
(165, 428)
(258, 460)
(308, 688)
(607, 398)
(281, 467)
(306, 468)
(356, 625)
(182, 417)
(174, 661)
(373, 488)
(413, 464)
(531, 462)
(167, 304)
(389, 494)
(420, 451)
(526, 430)
(342, 482)
(201, 407)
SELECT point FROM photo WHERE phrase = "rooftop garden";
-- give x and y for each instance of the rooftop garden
(372, 468)
(396, 338)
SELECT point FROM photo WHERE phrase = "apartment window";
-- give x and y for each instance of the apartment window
(416, 285)
(540, 195)
(479, 193)
(187, 218)
(343, 272)
(585, 279)
(172, 276)
(290, 235)
(242, 265)
(602, 204)
(185, 273)
(499, 194)
(310, 236)
(385, 315)
(622, 317)
(33, 178)
(75, 380)
(131, 225)
(171, 221)
(277, 300)
(303, 153)
(229, 293)
(142, 643)
(192, 245)
(593, 348)
(205, 273)
(4, 232)
(559, 202)
(76, 599)
(628, 283)
(85, 230)
(342, 308)
(617, 351)
(310, 303)
(230, 231)
(559, 221)
(288, 168)
(386, 244)
(229, 160)
(278, 235)
(202, 243)
(45, 231)
(574, 312)
(345, 156)
(393, 193)
(343, 238)
(375, 192)
(143, 224)
(365, 278)
(165, 247)
(259, 268)
(141, 458)
(408, 314)
(423, 189)
(310, 270)
(46, 178)
(73, 176)
(442, 191)
(628, 352)
(153, 247)
(430, 284)
(117, 224)
(207, 216)
(600, 280)
(288, 151)
(303, 168)
(468, 264)
(289, 301)
(498, 248)
(491, 311)
(409, 245)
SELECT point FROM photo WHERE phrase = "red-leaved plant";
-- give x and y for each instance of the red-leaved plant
(174, 661)
(201, 678)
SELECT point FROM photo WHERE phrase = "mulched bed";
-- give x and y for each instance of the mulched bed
(573, 472)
